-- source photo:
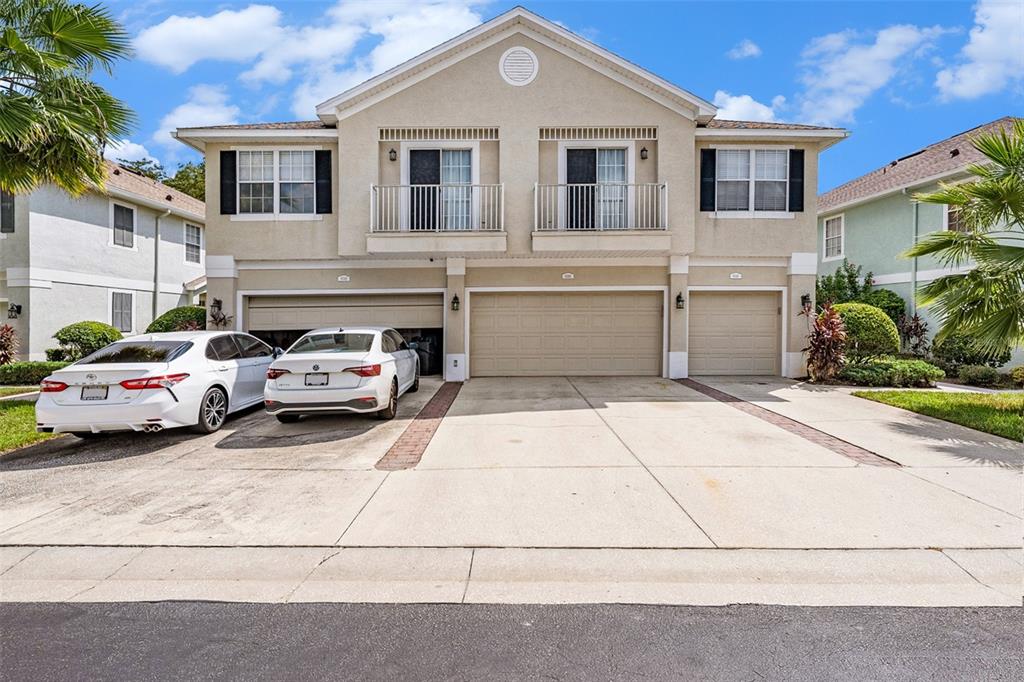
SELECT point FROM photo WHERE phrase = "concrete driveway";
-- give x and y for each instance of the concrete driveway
(552, 489)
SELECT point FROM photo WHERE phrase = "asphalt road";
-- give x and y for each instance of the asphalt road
(205, 641)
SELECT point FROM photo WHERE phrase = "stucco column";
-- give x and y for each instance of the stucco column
(678, 278)
(455, 322)
(801, 280)
(222, 284)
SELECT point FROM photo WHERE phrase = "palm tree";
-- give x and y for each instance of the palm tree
(54, 121)
(986, 302)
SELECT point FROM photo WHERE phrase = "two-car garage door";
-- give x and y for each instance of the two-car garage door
(556, 333)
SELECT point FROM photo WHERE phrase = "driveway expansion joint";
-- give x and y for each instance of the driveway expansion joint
(808, 433)
(407, 451)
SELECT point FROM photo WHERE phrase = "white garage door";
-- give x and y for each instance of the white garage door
(554, 333)
(734, 333)
(405, 311)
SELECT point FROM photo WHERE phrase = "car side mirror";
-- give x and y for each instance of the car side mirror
(278, 352)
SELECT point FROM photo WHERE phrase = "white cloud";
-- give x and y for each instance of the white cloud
(843, 70)
(127, 150)
(744, 49)
(745, 107)
(236, 36)
(993, 56)
(206, 105)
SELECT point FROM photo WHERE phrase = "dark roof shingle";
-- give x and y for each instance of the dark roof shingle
(129, 181)
(759, 125)
(945, 157)
(280, 125)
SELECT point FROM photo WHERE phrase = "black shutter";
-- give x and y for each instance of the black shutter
(323, 180)
(796, 180)
(228, 176)
(6, 212)
(707, 179)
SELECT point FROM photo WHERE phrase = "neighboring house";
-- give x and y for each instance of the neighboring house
(65, 260)
(523, 202)
(872, 220)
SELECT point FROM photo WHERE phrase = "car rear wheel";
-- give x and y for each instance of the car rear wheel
(391, 409)
(288, 418)
(213, 410)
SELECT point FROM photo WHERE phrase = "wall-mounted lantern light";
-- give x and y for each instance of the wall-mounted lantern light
(455, 303)
(643, 153)
(680, 301)
(805, 301)
(216, 305)
(13, 310)
(392, 155)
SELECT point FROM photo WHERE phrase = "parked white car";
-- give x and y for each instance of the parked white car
(355, 369)
(156, 381)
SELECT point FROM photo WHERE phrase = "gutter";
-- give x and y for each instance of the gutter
(913, 262)
(156, 263)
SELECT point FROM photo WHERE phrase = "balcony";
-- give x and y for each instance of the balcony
(602, 217)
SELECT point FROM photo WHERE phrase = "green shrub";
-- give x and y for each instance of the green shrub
(26, 373)
(869, 331)
(177, 319)
(978, 375)
(1017, 374)
(959, 349)
(894, 372)
(889, 301)
(80, 339)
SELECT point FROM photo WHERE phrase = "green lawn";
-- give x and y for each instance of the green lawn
(15, 390)
(1001, 414)
(18, 424)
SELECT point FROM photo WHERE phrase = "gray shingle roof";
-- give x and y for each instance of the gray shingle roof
(127, 181)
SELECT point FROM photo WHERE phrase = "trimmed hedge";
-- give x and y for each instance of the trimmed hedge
(176, 319)
(899, 373)
(27, 373)
(869, 331)
(978, 375)
(959, 349)
(891, 303)
(80, 339)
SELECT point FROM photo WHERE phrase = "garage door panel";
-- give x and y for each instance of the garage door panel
(540, 334)
(308, 312)
(734, 333)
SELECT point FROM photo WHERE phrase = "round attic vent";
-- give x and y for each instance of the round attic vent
(518, 66)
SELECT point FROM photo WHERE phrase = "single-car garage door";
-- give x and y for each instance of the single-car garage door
(402, 311)
(734, 333)
(555, 333)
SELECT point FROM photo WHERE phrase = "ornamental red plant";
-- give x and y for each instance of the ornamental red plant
(8, 344)
(826, 343)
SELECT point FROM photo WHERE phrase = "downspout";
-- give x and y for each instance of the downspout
(913, 262)
(156, 263)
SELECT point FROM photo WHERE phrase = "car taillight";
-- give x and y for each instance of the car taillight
(365, 370)
(141, 383)
(275, 373)
(47, 386)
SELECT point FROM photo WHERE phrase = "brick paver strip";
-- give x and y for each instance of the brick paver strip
(839, 446)
(408, 449)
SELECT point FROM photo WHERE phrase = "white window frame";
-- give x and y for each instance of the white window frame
(752, 180)
(628, 145)
(945, 217)
(110, 308)
(184, 243)
(276, 215)
(135, 226)
(825, 258)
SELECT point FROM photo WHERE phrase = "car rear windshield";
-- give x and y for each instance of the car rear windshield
(333, 343)
(137, 352)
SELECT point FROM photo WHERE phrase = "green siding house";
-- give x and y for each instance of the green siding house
(871, 220)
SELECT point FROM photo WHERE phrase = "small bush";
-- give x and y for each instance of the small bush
(898, 373)
(978, 375)
(956, 350)
(80, 339)
(26, 373)
(1017, 374)
(8, 344)
(185, 318)
(869, 331)
(891, 303)
(826, 344)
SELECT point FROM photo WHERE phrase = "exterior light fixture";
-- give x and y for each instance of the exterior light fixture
(805, 300)
(643, 153)
(680, 301)
(13, 310)
(455, 303)
(392, 155)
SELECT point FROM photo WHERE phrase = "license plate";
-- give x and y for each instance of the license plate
(94, 392)
(316, 379)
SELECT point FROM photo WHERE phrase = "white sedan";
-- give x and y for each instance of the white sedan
(355, 369)
(156, 381)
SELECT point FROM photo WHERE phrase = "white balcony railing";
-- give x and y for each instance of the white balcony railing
(601, 206)
(436, 208)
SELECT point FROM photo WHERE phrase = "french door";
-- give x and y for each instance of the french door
(596, 189)
(441, 190)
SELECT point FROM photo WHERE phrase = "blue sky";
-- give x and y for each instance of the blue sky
(899, 75)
